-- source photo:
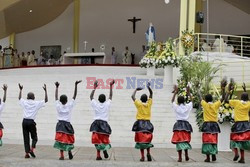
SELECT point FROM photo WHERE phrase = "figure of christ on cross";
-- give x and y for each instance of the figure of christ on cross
(134, 20)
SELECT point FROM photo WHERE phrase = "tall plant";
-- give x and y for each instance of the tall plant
(195, 72)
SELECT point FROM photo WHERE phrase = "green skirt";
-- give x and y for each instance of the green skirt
(243, 145)
(143, 145)
(209, 149)
(183, 146)
(63, 146)
(102, 147)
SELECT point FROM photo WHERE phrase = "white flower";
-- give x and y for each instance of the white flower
(227, 114)
(172, 61)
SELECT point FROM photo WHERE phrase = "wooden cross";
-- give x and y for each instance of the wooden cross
(134, 20)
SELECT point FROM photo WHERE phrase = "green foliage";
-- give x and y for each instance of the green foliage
(199, 75)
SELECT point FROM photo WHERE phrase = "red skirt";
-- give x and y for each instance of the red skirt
(210, 138)
(143, 137)
(65, 138)
(1, 133)
(99, 138)
(244, 136)
(180, 137)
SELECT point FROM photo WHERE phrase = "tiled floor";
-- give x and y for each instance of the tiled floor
(13, 155)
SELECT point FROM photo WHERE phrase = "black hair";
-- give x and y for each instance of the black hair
(244, 96)
(181, 100)
(144, 98)
(63, 99)
(102, 98)
(31, 96)
(209, 98)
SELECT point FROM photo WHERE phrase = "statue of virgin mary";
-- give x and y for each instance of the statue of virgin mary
(150, 34)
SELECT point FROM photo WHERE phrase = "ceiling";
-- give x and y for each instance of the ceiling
(243, 5)
(15, 15)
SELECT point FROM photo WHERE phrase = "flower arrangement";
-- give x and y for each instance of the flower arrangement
(226, 113)
(160, 55)
(168, 56)
(149, 59)
(187, 40)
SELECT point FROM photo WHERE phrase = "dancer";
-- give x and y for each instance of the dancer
(30, 110)
(240, 132)
(182, 128)
(64, 139)
(210, 127)
(100, 128)
(2, 104)
(143, 128)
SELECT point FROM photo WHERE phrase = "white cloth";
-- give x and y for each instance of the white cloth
(126, 57)
(101, 110)
(205, 47)
(2, 105)
(31, 107)
(182, 111)
(114, 57)
(64, 112)
(31, 60)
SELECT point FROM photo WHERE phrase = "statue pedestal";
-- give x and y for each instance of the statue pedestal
(224, 137)
(168, 75)
(151, 71)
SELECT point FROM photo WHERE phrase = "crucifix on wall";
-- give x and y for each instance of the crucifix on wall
(134, 20)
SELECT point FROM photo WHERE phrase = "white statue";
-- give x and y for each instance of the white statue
(150, 34)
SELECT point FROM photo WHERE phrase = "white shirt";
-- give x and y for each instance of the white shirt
(182, 111)
(64, 111)
(1, 108)
(31, 107)
(101, 110)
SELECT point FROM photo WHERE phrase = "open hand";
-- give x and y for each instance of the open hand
(188, 89)
(138, 89)
(148, 84)
(20, 86)
(44, 87)
(112, 82)
(57, 84)
(95, 84)
(5, 87)
(77, 82)
(175, 89)
(244, 87)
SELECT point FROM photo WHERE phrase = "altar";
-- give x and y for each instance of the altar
(84, 58)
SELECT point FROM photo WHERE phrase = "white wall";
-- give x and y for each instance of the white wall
(105, 22)
(226, 19)
(4, 42)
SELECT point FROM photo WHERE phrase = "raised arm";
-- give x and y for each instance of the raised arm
(56, 93)
(133, 95)
(75, 91)
(20, 92)
(175, 91)
(150, 90)
(244, 87)
(229, 92)
(93, 91)
(5, 92)
(111, 89)
(189, 93)
(46, 94)
(199, 94)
